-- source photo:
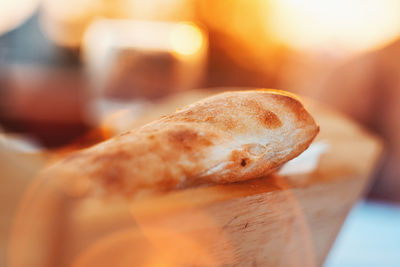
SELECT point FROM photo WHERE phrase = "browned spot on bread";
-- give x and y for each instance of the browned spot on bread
(125, 133)
(267, 118)
(110, 157)
(270, 120)
(294, 106)
(112, 171)
(111, 179)
(243, 162)
(219, 119)
(229, 123)
(165, 184)
(188, 139)
(210, 119)
(239, 158)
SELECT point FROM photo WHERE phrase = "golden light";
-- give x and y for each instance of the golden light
(352, 25)
(186, 39)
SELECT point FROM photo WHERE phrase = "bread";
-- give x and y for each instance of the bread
(229, 137)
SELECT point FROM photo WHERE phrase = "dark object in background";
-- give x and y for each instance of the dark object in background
(49, 104)
(42, 90)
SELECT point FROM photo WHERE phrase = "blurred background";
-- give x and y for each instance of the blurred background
(75, 72)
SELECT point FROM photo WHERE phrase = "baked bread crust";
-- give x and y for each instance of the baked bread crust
(229, 137)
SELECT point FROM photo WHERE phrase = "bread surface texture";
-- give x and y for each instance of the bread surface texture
(229, 137)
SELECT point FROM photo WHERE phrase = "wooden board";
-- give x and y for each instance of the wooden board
(14, 179)
(271, 221)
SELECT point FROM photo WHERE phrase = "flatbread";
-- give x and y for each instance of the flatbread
(229, 137)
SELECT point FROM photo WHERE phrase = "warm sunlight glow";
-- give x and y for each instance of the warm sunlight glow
(342, 24)
(186, 39)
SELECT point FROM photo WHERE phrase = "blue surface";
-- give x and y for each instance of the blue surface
(369, 237)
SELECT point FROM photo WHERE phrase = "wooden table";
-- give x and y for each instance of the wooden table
(271, 221)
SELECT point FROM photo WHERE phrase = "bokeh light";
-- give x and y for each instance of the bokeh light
(186, 39)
